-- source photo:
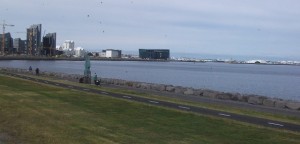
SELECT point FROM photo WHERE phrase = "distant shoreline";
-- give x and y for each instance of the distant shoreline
(38, 58)
(72, 58)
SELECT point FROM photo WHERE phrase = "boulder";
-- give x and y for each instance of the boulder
(113, 81)
(236, 97)
(269, 102)
(51, 74)
(122, 82)
(170, 88)
(198, 92)
(154, 87)
(179, 90)
(61, 75)
(158, 87)
(210, 94)
(117, 82)
(188, 91)
(224, 96)
(130, 84)
(293, 105)
(104, 81)
(255, 100)
(108, 81)
(280, 103)
(137, 85)
(145, 86)
(162, 87)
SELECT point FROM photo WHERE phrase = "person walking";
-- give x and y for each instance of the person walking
(30, 68)
(95, 78)
(37, 71)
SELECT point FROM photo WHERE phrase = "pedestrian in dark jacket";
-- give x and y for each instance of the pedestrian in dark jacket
(37, 71)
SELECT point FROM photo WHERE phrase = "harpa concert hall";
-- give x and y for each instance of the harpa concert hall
(154, 53)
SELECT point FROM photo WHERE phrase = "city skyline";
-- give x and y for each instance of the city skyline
(268, 28)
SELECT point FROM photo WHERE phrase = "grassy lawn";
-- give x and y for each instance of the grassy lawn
(35, 113)
(225, 108)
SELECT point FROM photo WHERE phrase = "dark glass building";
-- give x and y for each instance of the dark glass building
(154, 54)
(19, 46)
(34, 35)
(8, 43)
(49, 45)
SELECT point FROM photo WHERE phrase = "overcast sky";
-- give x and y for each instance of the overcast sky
(218, 27)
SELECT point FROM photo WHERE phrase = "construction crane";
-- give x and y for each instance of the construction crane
(20, 32)
(3, 36)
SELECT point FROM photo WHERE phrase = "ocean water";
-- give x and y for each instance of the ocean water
(280, 81)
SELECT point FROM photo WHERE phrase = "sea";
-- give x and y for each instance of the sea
(278, 81)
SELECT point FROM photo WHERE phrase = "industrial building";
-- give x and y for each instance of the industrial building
(8, 43)
(154, 54)
(49, 44)
(110, 53)
(34, 39)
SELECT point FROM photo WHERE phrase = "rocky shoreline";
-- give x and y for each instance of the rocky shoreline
(251, 99)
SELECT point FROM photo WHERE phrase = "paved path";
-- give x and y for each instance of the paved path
(229, 103)
(232, 116)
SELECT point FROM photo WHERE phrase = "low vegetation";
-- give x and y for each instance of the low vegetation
(35, 113)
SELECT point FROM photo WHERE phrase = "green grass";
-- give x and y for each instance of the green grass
(220, 107)
(35, 113)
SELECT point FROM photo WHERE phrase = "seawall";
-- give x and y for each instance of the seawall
(251, 99)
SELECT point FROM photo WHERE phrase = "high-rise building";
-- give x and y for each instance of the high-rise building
(49, 44)
(8, 43)
(19, 46)
(34, 34)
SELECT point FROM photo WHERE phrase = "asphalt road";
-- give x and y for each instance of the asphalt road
(237, 117)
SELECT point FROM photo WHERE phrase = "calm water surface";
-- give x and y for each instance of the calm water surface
(281, 81)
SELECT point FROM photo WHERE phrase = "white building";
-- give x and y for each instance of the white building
(79, 52)
(68, 44)
(68, 48)
(110, 53)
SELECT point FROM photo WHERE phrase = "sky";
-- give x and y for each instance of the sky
(257, 28)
